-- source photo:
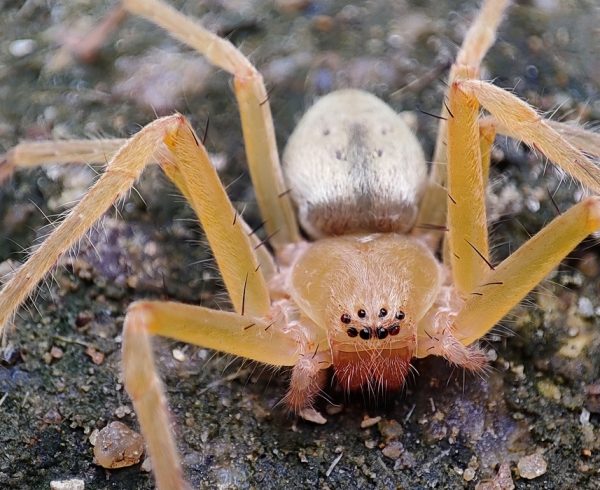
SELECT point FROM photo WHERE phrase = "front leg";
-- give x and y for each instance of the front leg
(172, 142)
(502, 288)
(274, 340)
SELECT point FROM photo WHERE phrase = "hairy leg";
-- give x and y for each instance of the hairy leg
(467, 224)
(522, 122)
(581, 138)
(503, 287)
(34, 153)
(479, 39)
(121, 173)
(188, 165)
(172, 142)
(252, 338)
(100, 151)
(257, 123)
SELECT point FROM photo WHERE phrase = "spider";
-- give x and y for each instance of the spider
(367, 293)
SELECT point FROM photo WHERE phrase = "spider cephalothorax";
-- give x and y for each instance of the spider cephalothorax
(368, 292)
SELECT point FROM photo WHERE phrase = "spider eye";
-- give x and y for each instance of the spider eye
(352, 332)
(400, 315)
(394, 329)
(382, 312)
(362, 313)
(345, 318)
(382, 333)
(365, 333)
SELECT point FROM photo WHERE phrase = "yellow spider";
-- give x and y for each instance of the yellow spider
(363, 292)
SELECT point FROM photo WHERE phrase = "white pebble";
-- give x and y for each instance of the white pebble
(585, 307)
(179, 355)
(22, 47)
(469, 474)
(74, 484)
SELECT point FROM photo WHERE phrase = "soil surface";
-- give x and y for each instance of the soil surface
(534, 415)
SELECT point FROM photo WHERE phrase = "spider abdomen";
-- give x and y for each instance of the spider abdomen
(354, 166)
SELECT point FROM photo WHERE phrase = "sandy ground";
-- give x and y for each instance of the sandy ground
(447, 429)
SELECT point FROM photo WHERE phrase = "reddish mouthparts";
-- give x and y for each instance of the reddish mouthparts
(378, 369)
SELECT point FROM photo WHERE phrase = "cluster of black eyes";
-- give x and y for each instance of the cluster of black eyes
(365, 332)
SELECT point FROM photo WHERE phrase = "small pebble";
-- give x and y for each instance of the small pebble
(584, 417)
(323, 23)
(52, 416)
(96, 356)
(589, 265)
(532, 466)
(585, 307)
(393, 450)
(117, 446)
(22, 47)
(469, 474)
(370, 444)
(548, 390)
(147, 465)
(179, 355)
(369, 422)
(391, 430)
(74, 484)
(291, 6)
(592, 400)
(56, 352)
(83, 318)
(122, 411)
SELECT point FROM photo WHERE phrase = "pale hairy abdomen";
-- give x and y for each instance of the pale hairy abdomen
(353, 165)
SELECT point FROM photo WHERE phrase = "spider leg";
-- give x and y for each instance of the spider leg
(444, 343)
(250, 337)
(121, 173)
(503, 287)
(187, 163)
(524, 123)
(255, 112)
(192, 172)
(434, 220)
(309, 376)
(583, 139)
(500, 289)
(479, 39)
(467, 224)
(33, 153)
(85, 48)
